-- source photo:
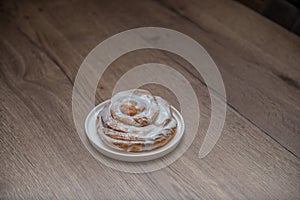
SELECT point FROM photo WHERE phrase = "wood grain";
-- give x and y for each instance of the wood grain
(41, 47)
(260, 66)
(251, 65)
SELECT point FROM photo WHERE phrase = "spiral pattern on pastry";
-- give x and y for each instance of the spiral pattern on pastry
(135, 121)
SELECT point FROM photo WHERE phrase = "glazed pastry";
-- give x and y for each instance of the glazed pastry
(135, 121)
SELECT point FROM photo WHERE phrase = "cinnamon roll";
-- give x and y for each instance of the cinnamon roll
(135, 121)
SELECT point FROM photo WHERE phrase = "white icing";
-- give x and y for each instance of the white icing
(156, 111)
(144, 100)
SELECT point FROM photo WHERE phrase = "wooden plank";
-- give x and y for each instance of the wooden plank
(259, 61)
(42, 154)
(261, 77)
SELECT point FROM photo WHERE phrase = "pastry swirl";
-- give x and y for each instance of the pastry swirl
(135, 121)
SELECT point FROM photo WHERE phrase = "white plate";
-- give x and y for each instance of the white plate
(94, 138)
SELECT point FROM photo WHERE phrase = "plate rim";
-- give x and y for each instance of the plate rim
(134, 156)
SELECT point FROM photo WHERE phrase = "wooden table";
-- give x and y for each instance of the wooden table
(43, 43)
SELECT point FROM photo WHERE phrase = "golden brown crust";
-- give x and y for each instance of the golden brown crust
(139, 144)
(136, 125)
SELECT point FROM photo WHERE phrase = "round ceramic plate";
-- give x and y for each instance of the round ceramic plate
(94, 138)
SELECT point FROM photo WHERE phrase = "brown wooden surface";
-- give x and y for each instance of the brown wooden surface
(42, 44)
